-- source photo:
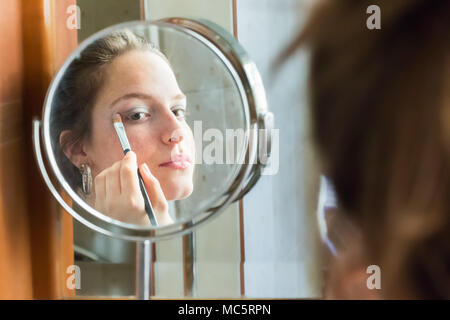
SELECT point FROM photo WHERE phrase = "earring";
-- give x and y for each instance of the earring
(86, 178)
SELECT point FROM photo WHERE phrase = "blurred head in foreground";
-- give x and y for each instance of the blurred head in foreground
(380, 109)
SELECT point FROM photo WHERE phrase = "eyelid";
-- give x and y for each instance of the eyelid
(178, 106)
(137, 109)
(140, 108)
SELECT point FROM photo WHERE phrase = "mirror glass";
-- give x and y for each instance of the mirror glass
(166, 93)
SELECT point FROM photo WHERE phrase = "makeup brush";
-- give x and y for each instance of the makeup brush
(120, 129)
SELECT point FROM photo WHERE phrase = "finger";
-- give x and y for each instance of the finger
(128, 174)
(153, 188)
(113, 182)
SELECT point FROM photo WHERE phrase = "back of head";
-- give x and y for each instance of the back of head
(380, 110)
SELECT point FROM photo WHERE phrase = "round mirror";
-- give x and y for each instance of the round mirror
(152, 128)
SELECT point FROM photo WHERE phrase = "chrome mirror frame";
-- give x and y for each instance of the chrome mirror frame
(257, 116)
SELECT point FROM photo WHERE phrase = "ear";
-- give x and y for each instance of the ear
(73, 151)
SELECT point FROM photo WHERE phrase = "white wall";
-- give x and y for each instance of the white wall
(281, 240)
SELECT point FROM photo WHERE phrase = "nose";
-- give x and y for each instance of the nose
(172, 131)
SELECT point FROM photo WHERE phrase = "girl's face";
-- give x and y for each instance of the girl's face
(141, 87)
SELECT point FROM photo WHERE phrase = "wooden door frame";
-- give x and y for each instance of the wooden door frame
(47, 41)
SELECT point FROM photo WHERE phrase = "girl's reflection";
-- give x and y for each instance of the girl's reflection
(122, 73)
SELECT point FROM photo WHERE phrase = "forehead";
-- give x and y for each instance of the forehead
(139, 70)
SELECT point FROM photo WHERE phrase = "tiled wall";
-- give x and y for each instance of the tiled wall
(99, 14)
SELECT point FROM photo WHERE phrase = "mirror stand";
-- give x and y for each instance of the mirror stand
(144, 267)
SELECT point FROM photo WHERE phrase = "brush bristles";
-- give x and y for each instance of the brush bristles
(117, 118)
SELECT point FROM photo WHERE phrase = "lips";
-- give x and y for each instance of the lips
(178, 161)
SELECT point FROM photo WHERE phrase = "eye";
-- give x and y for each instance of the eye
(179, 112)
(138, 114)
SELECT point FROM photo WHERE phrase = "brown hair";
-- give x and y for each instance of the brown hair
(76, 94)
(380, 121)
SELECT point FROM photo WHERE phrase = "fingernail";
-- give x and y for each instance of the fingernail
(130, 154)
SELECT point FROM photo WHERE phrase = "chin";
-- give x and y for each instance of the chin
(179, 191)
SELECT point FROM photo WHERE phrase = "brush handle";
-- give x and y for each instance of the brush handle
(148, 204)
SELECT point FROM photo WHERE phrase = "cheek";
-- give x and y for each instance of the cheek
(144, 143)
(105, 148)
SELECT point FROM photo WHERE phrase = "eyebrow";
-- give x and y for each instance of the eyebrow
(144, 96)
